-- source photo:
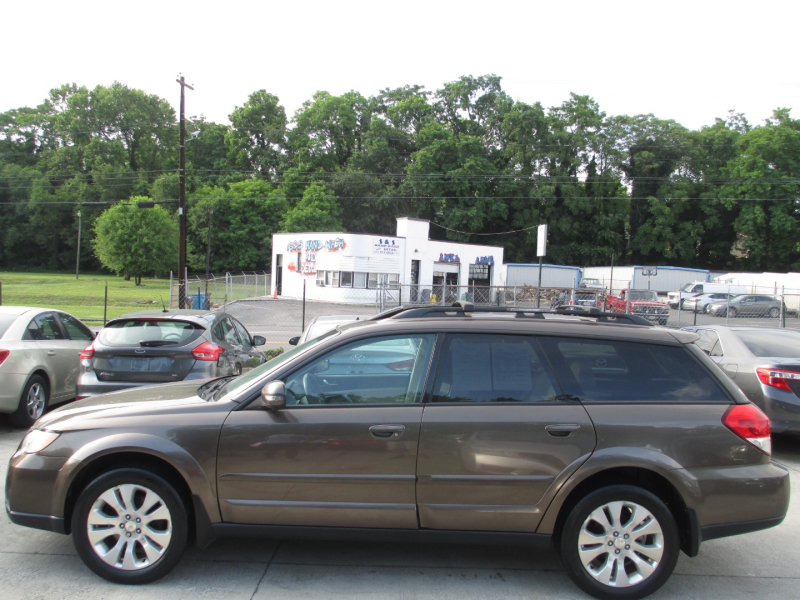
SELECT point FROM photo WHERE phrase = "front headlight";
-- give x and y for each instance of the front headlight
(37, 440)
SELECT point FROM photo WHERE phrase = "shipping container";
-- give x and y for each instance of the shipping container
(552, 275)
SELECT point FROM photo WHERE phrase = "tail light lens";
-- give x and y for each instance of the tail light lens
(777, 378)
(751, 424)
(3, 355)
(87, 352)
(207, 351)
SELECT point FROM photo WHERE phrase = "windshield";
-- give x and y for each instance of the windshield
(253, 375)
(644, 295)
(688, 287)
(773, 344)
(5, 323)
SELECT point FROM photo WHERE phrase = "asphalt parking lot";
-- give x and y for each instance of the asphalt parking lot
(37, 564)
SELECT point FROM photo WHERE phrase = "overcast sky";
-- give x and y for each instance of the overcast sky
(688, 61)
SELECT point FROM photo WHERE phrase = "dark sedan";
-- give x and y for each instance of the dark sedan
(764, 363)
(747, 305)
(154, 346)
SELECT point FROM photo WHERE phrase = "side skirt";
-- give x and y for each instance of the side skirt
(286, 532)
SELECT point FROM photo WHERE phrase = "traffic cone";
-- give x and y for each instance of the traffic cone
(275, 293)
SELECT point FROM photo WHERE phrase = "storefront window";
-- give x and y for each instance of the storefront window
(346, 279)
(360, 280)
(335, 278)
(320, 278)
(373, 281)
(394, 281)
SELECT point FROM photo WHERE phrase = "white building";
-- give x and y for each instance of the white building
(352, 267)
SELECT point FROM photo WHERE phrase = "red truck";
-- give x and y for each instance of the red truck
(644, 303)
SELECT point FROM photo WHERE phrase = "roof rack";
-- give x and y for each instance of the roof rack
(467, 309)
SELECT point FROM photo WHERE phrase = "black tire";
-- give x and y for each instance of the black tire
(774, 313)
(621, 566)
(732, 313)
(153, 546)
(32, 403)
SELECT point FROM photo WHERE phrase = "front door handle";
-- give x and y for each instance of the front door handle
(387, 431)
(562, 429)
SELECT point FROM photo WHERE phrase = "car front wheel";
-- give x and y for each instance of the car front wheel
(130, 526)
(620, 542)
(774, 313)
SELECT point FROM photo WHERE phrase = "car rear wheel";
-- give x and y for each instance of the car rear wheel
(32, 403)
(620, 542)
(774, 313)
(130, 526)
(732, 312)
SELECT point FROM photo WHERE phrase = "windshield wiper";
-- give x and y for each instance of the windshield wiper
(207, 390)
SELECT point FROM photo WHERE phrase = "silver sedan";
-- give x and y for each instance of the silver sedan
(39, 350)
(764, 363)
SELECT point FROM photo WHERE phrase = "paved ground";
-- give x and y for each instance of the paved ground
(36, 564)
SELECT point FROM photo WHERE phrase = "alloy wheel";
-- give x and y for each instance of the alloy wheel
(129, 527)
(36, 400)
(621, 544)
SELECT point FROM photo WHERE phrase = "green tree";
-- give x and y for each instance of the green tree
(318, 210)
(256, 139)
(134, 241)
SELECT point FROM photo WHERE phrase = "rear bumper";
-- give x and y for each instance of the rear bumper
(712, 532)
(783, 410)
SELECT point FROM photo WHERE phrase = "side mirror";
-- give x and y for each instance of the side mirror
(259, 340)
(294, 340)
(273, 395)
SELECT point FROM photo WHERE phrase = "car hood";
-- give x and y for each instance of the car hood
(153, 400)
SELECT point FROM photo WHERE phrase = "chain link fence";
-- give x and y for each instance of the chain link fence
(216, 291)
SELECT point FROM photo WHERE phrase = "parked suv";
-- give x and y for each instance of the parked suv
(155, 346)
(618, 442)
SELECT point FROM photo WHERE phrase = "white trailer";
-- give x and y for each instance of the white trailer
(665, 280)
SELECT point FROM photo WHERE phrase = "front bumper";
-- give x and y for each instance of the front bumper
(31, 492)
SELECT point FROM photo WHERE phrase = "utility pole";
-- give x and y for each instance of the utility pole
(182, 200)
(78, 253)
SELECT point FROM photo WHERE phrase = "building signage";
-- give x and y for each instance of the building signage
(386, 246)
(449, 258)
(295, 246)
(334, 245)
(484, 260)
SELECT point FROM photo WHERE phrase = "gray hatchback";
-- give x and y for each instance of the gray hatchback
(618, 443)
(153, 346)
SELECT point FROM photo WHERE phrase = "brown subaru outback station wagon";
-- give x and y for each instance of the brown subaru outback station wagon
(619, 443)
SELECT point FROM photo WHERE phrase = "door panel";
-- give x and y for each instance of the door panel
(487, 466)
(320, 465)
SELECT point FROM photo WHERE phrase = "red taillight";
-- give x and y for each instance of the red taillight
(87, 352)
(402, 365)
(3, 355)
(777, 377)
(751, 424)
(207, 351)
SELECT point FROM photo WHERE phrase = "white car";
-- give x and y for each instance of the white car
(700, 303)
(322, 325)
(39, 350)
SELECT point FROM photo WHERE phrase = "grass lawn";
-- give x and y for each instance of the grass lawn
(83, 297)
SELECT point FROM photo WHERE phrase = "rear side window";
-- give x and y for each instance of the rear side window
(75, 329)
(617, 371)
(149, 332)
(492, 368)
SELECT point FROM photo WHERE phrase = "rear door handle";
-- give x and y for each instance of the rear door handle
(51, 353)
(562, 429)
(387, 431)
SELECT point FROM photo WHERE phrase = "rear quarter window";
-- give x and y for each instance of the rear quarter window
(149, 332)
(617, 371)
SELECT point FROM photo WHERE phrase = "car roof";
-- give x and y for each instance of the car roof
(172, 314)
(19, 310)
(566, 325)
(337, 318)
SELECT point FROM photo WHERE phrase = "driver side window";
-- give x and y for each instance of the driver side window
(384, 370)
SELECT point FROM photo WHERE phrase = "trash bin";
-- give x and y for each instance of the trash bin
(200, 301)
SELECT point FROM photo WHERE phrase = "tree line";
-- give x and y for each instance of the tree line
(481, 166)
